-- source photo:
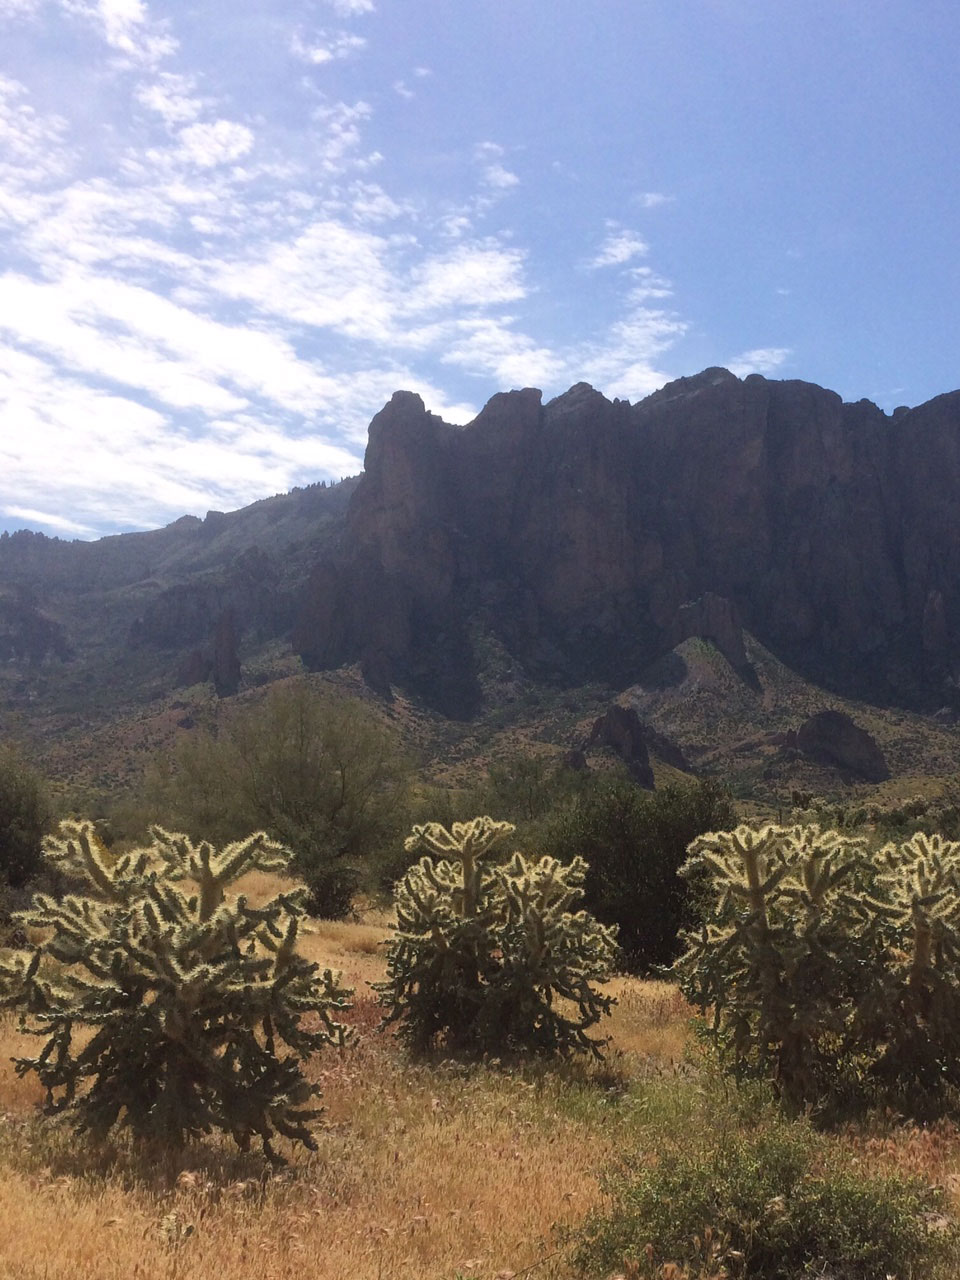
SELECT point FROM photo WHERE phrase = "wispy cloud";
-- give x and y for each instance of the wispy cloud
(351, 8)
(653, 199)
(216, 142)
(759, 360)
(619, 247)
(325, 48)
(128, 28)
(204, 301)
(495, 174)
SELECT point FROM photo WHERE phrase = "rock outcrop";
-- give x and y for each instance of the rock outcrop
(620, 730)
(714, 618)
(831, 737)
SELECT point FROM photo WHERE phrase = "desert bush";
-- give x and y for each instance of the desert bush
(489, 957)
(828, 969)
(191, 995)
(24, 812)
(634, 843)
(320, 773)
(779, 1204)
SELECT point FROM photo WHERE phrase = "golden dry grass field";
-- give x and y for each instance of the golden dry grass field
(423, 1172)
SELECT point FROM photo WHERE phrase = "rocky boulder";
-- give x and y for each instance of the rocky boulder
(831, 737)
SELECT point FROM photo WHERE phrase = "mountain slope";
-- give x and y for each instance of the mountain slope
(541, 546)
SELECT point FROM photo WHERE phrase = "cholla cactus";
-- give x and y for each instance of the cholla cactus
(190, 993)
(490, 957)
(916, 1010)
(779, 956)
(830, 970)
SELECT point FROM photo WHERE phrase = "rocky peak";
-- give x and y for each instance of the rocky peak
(579, 399)
(692, 385)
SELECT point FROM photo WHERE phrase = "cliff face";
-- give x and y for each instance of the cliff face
(576, 531)
(577, 540)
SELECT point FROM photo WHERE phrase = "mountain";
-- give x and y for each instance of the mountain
(581, 541)
(575, 533)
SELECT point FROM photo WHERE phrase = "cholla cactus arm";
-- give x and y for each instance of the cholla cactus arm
(78, 852)
(469, 844)
(551, 954)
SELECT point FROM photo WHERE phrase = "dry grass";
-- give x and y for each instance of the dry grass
(420, 1172)
(423, 1172)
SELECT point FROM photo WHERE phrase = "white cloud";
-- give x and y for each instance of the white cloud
(619, 247)
(127, 27)
(326, 49)
(219, 142)
(513, 359)
(477, 275)
(172, 97)
(32, 146)
(759, 360)
(494, 174)
(649, 287)
(401, 88)
(49, 518)
(335, 144)
(653, 199)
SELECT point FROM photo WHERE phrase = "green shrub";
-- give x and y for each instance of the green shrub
(634, 843)
(779, 1204)
(24, 812)
(829, 970)
(485, 953)
(190, 993)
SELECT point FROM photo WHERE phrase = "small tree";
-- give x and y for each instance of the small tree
(488, 957)
(190, 993)
(321, 773)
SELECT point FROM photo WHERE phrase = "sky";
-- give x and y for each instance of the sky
(230, 229)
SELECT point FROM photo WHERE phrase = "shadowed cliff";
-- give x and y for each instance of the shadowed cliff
(575, 533)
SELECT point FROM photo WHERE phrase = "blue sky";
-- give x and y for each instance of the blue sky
(229, 230)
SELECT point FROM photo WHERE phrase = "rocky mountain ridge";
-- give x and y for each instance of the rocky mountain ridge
(579, 533)
(569, 542)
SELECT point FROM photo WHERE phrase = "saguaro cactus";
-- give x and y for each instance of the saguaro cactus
(490, 957)
(190, 992)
